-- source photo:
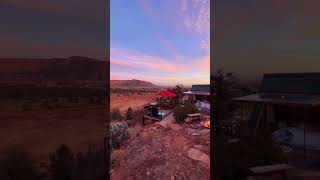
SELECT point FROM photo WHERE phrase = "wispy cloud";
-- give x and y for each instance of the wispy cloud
(136, 59)
(184, 5)
(197, 19)
(161, 70)
(176, 62)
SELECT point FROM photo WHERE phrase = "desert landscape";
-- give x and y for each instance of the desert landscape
(159, 149)
(49, 106)
(135, 101)
(41, 131)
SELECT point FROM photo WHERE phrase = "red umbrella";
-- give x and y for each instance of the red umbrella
(166, 93)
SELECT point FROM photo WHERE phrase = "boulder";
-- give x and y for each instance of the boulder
(190, 131)
(198, 146)
(198, 155)
(175, 127)
(204, 131)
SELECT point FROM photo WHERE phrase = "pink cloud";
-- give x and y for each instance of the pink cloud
(164, 80)
(136, 59)
(184, 5)
(175, 70)
(197, 19)
(156, 79)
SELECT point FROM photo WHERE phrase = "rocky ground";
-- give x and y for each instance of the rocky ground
(171, 152)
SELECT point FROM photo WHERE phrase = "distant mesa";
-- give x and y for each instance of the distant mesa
(133, 83)
(55, 69)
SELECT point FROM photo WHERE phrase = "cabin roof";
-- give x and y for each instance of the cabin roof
(289, 99)
(200, 89)
(302, 89)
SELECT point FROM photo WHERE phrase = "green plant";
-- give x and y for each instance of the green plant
(181, 112)
(115, 114)
(223, 83)
(178, 90)
(129, 114)
(118, 133)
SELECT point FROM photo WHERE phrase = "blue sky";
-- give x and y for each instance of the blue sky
(164, 42)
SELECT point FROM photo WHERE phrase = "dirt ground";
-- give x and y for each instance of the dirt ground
(41, 131)
(134, 101)
(155, 152)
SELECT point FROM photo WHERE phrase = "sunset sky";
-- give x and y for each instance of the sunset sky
(254, 37)
(165, 42)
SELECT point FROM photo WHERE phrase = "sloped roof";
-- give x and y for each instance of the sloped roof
(201, 88)
(302, 89)
(306, 100)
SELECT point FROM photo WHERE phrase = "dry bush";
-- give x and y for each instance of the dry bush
(118, 133)
(180, 113)
(115, 114)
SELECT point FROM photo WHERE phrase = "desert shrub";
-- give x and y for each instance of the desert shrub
(129, 114)
(116, 156)
(62, 164)
(134, 116)
(115, 114)
(17, 164)
(118, 133)
(84, 166)
(231, 161)
(181, 112)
